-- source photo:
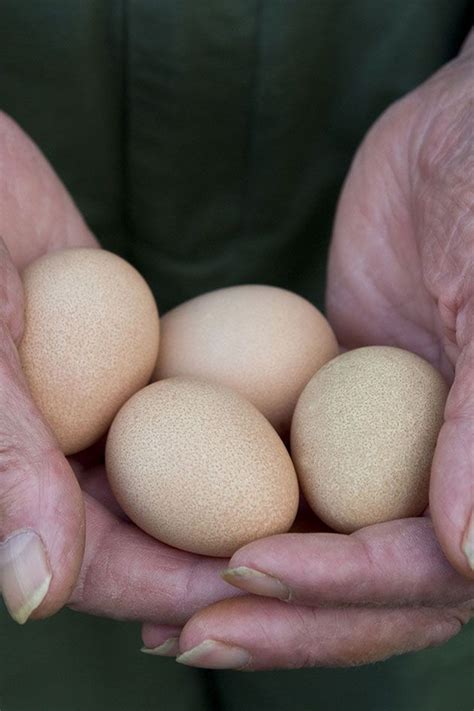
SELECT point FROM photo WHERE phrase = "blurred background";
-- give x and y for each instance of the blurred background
(207, 143)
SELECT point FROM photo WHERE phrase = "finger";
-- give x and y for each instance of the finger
(452, 474)
(160, 640)
(251, 633)
(128, 575)
(393, 564)
(36, 212)
(41, 513)
(93, 481)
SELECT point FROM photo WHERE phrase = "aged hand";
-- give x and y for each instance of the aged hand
(60, 544)
(401, 272)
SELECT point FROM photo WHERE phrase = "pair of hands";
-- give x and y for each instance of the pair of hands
(401, 272)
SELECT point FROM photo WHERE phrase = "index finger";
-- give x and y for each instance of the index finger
(391, 564)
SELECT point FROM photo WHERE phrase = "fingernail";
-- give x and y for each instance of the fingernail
(258, 583)
(211, 654)
(468, 542)
(25, 574)
(169, 648)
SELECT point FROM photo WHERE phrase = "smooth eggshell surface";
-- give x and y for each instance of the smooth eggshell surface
(90, 340)
(363, 436)
(198, 467)
(262, 341)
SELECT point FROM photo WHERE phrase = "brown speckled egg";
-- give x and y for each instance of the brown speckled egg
(90, 340)
(363, 436)
(262, 341)
(197, 466)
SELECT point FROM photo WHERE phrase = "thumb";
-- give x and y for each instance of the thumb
(452, 474)
(41, 509)
(449, 249)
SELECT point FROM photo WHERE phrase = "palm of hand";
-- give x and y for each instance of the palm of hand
(400, 273)
(125, 574)
(401, 267)
(118, 570)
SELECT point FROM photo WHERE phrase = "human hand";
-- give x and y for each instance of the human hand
(401, 273)
(60, 545)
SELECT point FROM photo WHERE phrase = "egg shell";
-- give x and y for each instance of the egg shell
(263, 341)
(363, 436)
(198, 467)
(90, 340)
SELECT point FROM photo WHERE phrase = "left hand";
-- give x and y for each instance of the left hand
(63, 538)
(401, 272)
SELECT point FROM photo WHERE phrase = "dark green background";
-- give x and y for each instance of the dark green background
(75, 663)
(207, 143)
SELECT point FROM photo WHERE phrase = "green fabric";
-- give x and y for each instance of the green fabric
(207, 143)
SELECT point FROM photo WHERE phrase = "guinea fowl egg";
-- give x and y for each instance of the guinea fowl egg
(263, 341)
(90, 340)
(198, 467)
(363, 436)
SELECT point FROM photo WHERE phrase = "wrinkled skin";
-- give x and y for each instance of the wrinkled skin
(400, 273)
(101, 563)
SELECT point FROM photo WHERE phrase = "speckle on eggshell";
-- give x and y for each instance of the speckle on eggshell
(198, 467)
(363, 436)
(90, 340)
(263, 341)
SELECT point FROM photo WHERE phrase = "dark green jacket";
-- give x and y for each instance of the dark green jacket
(207, 142)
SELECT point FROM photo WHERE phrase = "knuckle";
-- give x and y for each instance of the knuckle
(18, 488)
(25, 450)
(24, 434)
(10, 457)
(11, 295)
(15, 488)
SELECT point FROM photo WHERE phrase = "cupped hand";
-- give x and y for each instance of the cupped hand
(401, 273)
(338, 600)
(60, 544)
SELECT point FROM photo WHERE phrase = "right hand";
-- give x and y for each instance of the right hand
(60, 544)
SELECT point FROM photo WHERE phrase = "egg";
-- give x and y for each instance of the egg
(198, 467)
(263, 341)
(90, 340)
(363, 436)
